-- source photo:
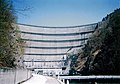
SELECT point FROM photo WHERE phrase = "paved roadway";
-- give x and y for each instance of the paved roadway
(39, 79)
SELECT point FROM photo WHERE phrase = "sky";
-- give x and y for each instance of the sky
(63, 12)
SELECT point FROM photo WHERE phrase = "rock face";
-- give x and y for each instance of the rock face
(101, 54)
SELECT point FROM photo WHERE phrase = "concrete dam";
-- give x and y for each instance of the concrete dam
(46, 47)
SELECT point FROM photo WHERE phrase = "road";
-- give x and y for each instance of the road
(40, 79)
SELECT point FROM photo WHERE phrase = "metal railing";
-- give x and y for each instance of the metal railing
(102, 79)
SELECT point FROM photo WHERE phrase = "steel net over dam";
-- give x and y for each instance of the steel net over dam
(46, 47)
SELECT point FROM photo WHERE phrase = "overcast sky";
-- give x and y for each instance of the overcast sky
(64, 12)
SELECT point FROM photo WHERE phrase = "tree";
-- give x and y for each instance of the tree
(10, 43)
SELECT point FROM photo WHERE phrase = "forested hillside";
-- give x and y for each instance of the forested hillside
(101, 54)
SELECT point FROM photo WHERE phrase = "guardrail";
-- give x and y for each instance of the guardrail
(92, 79)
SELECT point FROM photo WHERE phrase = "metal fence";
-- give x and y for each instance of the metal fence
(14, 76)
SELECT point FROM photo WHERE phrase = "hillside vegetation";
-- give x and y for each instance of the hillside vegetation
(10, 43)
(101, 54)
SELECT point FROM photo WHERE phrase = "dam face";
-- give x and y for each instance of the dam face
(46, 47)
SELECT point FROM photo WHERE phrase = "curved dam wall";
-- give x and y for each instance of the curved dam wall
(46, 46)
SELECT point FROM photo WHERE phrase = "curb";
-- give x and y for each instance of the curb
(25, 80)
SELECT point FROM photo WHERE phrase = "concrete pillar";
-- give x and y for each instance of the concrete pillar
(63, 80)
(67, 81)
